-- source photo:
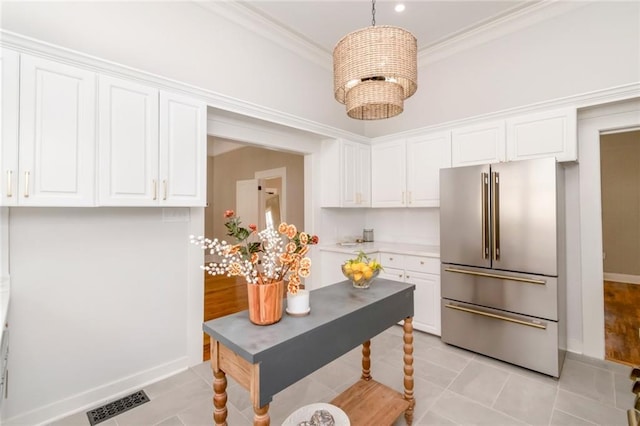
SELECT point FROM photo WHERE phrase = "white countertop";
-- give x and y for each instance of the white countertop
(387, 247)
(5, 287)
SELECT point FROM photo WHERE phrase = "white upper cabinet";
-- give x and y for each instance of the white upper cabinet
(544, 134)
(152, 146)
(426, 155)
(9, 104)
(405, 173)
(57, 134)
(128, 143)
(183, 151)
(346, 174)
(478, 144)
(389, 174)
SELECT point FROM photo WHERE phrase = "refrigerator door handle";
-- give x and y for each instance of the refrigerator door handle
(498, 317)
(485, 222)
(495, 213)
(497, 276)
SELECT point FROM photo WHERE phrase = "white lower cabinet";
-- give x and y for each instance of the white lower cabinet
(424, 272)
(331, 271)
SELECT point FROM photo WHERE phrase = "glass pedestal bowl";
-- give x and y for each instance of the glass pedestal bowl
(360, 277)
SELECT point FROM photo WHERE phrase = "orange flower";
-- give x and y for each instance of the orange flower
(291, 231)
(290, 247)
(282, 228)
(304, 250)
(314, 239)
(253, 227)
(235, 269)
(304, 272)
(292, 288)
(294, 279)
(304, 238)
(285, 258)
(305, 263)
(233, 249)
(228, 213)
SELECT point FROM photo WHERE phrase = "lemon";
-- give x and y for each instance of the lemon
(347, 268)
(357, 276)
(367, 273)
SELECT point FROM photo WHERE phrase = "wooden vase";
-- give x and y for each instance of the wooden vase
(265, 302)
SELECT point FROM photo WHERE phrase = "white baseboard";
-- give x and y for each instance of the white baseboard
(622, 278)
(95, 397)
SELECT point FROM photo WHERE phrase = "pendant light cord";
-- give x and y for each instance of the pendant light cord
(373, 13)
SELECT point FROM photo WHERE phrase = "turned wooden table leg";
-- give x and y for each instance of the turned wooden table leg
(219, 398)
(408, 368)
(261, 416)
(366, 360)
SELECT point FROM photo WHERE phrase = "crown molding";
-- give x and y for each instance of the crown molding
(502, 25)
(35, 47)
(251, 20)
(582, 101)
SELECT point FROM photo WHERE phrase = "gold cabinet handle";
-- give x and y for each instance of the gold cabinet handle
(9, 186)
(164, 187)
(155, 190)
(495, 180)
(26, 184)
(498, 317)
(484, 184)
(498, 276)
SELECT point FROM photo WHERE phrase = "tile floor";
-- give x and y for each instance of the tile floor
(452, 387)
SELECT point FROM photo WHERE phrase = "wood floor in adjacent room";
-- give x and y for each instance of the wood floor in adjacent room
(622, 322)
(222, 296)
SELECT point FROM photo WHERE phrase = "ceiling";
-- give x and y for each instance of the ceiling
(324, 22)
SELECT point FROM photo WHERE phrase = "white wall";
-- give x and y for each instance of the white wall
(593, 46)
(189, 43)
(99, 303)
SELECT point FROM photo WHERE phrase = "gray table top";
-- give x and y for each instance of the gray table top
(328, 304)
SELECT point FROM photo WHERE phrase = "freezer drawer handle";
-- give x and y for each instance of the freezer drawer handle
(502, 277)
(500, 317)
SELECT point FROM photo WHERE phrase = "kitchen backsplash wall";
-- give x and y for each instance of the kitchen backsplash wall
(415, 226)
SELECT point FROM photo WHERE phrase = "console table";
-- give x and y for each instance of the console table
(267, 359)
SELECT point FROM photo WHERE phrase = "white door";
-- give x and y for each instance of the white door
(183, 151)
(426, 155)
(127, 143)
(250, 204)
(57, 133)
(426, 314)
(388, 174)
(9, 104)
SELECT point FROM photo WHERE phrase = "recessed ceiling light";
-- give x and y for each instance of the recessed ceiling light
(399, 7)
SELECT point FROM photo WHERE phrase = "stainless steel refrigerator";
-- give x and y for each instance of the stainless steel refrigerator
(502, 253)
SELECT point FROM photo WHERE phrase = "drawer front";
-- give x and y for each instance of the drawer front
(518, 339)
(532, 295)
(427, 265)
(393, 274)
(392, 260)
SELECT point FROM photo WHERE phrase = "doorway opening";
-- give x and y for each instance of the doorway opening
(620, 194)
(260, 185)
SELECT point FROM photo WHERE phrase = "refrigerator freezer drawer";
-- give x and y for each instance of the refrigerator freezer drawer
(527, 294)
(517, 339)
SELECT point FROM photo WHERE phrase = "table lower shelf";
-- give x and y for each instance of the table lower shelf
(368, 402)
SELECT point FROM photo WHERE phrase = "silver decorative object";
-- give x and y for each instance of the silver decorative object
(319, 418)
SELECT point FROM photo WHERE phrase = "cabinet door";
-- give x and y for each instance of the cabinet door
(545, 134)
(128, 143)
(479, 144)
(393, 274)
(363, 166)
(183, 151)
(426, 311)
(9, 105)
(388, 174)
(426, 155)
(331, 272)
(350, 174)
(57, 134)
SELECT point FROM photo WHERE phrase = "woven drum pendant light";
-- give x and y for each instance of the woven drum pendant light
(375, 70)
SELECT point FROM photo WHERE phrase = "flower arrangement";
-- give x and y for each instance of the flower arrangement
(264, 257)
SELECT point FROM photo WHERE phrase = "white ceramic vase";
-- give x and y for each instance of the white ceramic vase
(298, 304)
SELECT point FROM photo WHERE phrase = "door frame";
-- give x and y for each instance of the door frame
(591, 124)
(279, 172)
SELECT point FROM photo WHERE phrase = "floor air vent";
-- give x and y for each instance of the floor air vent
(114, 408)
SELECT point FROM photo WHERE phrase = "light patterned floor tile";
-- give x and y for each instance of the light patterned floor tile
(464, 411)
(589, 409)
(560, 418)
(528, 400)
(588, 380)
(479, 382)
